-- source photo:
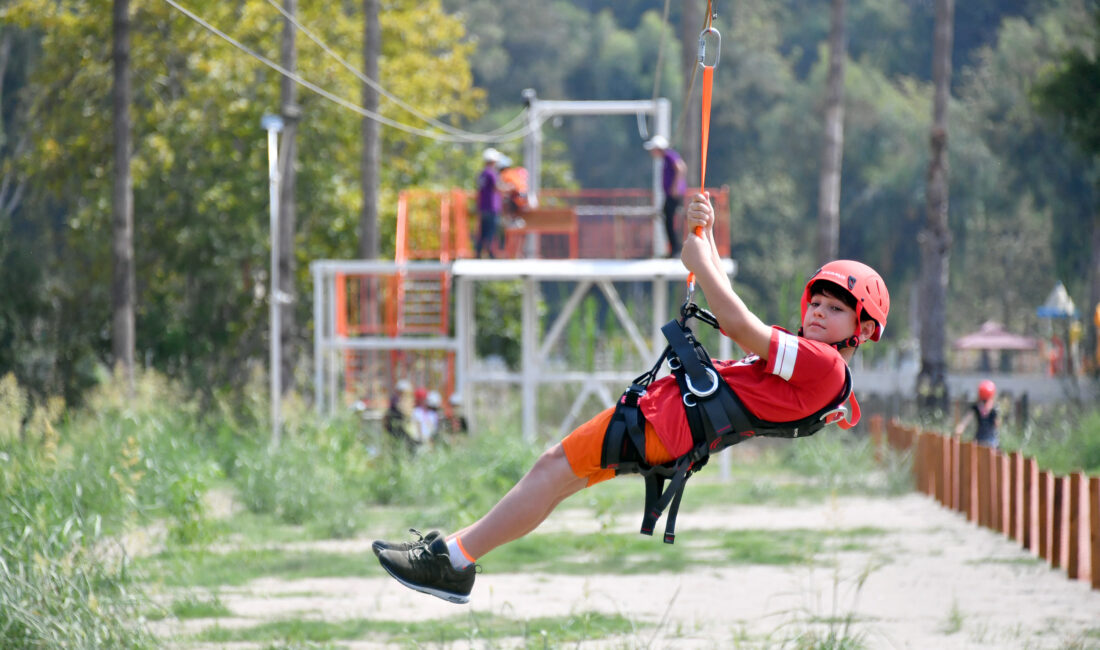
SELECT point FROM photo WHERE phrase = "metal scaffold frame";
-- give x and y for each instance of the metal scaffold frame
(535, 371)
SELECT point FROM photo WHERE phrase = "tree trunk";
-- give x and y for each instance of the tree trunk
(935, 238)
(368, 168)
(122, 211)
(288, 154)
(691, 23)
(832, 153)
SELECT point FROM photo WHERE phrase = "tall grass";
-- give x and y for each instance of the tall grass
(1062, 438)
(328, 472)
(72, 484)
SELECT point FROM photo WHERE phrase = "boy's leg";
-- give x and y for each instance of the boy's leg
(444, 567)
(525, 506)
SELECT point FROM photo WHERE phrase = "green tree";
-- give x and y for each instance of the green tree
(199, 166)
(1068, 93)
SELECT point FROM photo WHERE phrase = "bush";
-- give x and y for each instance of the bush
(1061, 439)
(71, 482)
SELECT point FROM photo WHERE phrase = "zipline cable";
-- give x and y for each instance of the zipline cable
(377, 86)
(425, 133)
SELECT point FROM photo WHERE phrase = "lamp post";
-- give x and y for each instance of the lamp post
(274, 124)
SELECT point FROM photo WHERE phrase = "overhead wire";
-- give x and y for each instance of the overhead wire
(377, 86)
(412, 130)
(712, 13)
(657, 71)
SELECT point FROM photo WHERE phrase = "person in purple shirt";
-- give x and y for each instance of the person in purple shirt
(674, 184)
(488, 201)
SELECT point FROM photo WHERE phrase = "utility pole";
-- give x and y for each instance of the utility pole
(274, 124)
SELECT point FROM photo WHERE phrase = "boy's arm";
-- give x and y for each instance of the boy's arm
(700, 256)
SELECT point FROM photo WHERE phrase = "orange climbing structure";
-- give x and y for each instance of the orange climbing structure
(434, 225)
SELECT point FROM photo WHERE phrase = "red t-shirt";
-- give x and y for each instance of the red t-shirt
(800, 378)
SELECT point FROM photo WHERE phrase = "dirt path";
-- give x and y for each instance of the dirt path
(934, 581)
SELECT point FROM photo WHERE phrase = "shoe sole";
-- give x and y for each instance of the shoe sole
(448, 596)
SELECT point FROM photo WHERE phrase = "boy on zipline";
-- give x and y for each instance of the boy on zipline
(668, 427)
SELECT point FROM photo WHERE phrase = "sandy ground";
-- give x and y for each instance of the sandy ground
(935, 581)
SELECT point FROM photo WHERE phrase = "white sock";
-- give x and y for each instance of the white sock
(458, 557)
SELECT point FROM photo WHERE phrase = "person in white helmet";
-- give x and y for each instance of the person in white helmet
(488, 201)
(673, 183)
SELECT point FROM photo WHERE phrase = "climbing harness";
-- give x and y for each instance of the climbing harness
(716, 417)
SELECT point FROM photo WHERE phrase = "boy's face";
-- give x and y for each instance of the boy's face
(828, 319)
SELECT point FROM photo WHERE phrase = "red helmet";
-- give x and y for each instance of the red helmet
(986, 390)
(860, 280)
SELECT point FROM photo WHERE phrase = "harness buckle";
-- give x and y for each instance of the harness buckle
(707, 392)
(828, 416)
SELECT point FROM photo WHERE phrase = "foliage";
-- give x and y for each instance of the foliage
(1061, 438)
(1021, 196)
(200, 187)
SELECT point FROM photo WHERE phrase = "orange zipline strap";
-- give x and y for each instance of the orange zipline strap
(704, 122)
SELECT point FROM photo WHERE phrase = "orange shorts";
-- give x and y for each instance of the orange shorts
(584, 447)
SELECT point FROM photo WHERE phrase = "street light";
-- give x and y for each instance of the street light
(274, 124)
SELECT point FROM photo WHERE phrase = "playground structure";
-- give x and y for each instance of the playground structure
(379, 322)
(355, 360)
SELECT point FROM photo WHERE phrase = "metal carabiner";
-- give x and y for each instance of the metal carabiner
(703, 393)
(703, 47)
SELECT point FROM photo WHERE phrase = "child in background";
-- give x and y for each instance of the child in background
(984, 411)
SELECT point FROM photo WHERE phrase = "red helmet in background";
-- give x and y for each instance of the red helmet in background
(420, 395)
(860, 280)
(986, 390)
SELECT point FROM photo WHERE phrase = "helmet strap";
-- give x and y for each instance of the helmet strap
(850, 342)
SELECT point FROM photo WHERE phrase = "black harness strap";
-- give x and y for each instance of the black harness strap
(716, 417)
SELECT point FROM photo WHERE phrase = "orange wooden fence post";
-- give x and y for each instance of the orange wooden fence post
(1031, 502)
(1014, 495)
(1057, 534)
(1073, 560)
(966, 478)
(1044, 514)
(935, 453)
(996, 490)
(984, 516)
(1094, 529)
(953, 468)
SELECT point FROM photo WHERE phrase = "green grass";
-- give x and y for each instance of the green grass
(630, 553)
(196, 607)
(558, 553)
(189, 568)
(485, 629)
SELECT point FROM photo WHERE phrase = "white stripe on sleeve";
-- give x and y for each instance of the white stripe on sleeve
(786, 351)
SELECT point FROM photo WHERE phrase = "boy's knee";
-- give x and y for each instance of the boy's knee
(553, 463)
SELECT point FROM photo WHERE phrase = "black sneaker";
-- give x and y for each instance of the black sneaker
(427, 568)
(379, 545)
